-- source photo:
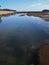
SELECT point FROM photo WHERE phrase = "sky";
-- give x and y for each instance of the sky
(25, 5)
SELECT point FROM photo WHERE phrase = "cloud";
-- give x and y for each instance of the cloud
(38, 6)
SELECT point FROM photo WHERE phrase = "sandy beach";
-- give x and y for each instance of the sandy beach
(6, 13)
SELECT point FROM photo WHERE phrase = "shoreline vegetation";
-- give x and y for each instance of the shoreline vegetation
(42, 14)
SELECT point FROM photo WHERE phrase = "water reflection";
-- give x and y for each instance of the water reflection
(0, 19)
(20, 38)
